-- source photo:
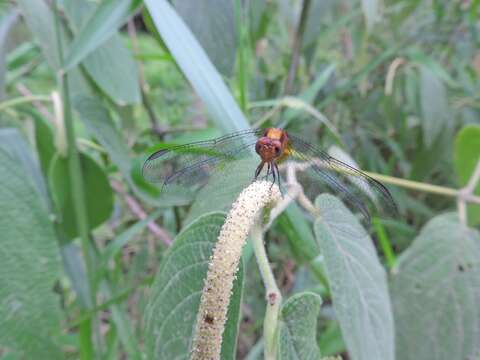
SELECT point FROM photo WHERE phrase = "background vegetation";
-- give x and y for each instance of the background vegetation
(88, 89)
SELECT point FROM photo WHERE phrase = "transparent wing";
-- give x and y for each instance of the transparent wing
(183, 169)
(356, 187)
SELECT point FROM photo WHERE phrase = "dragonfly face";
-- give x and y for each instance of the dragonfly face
(225, 165)
(272, 145)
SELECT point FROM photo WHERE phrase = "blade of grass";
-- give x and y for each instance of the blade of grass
(198, 69)
(123, 326)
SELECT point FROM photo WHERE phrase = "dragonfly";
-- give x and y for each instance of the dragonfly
(228, 163)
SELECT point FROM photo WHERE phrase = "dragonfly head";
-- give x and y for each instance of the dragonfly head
(269, 149)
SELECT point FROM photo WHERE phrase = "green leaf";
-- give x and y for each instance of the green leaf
(111, 64)
(6, 24)
(123, 326)
(258, 18)
(316, 17)
(419, 57)
(298, 327)
(331, 341)
(122, 239)
(41, 23)
(15, 145)
(99, 194)
(196, 66)
(176, 291)
(100, 27)
(407, 8)
(435, 111)
(213, 23)
(74, 267)
(40, 20)
(299, 233)
(45, 143)
(467, 154)
(357, 280)
(30, 312)
(101, 126)
(436, 292)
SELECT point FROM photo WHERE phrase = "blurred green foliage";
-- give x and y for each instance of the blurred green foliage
(397, 80)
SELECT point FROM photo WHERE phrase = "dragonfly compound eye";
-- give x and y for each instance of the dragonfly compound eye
(258, 148)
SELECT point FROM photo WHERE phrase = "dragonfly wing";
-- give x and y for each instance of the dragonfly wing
(356, 187)
(188, 167)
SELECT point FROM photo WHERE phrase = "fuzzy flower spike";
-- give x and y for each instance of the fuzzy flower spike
(223, 266)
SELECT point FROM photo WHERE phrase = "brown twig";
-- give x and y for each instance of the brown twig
(138, 211)
(297, 47)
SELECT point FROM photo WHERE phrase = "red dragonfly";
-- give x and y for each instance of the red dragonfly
(228, 163)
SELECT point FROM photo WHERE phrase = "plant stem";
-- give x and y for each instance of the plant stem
(22, 100)
(415, 185)
(297, 47)
(385, 244)
(409, 184)
(273, 295)
(78, 195)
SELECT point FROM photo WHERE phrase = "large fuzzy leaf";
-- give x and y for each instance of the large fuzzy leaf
(298, 327)
(357, 280)
(436, 292)
(433, 97)
(30, 312)
(15, 145)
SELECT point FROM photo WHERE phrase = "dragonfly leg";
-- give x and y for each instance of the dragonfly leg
(269, 168)
(278, 175)
(259, 170)
(272, 165)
